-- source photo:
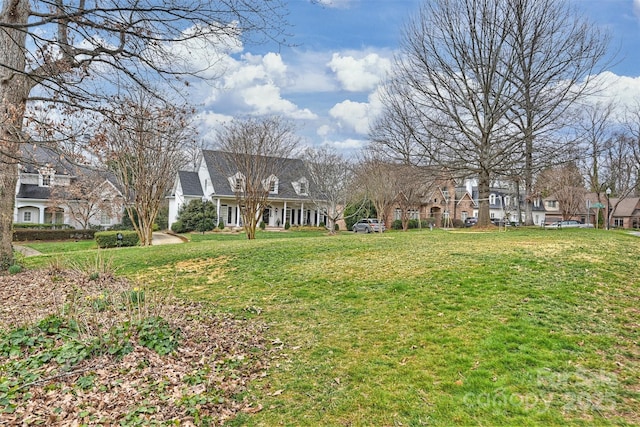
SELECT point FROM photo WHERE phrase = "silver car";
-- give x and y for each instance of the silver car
(368, 225)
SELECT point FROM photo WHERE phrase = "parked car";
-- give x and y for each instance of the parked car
(368, 225)
(569, 223)
(471, 221)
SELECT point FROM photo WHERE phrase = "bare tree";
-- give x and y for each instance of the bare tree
(87, 197)
(70, 56)
(566, 184)
(558, 54)
(596, 128)
(331, 178)
(452, 82)
(621, 166)
(378, 182)
(256, 152)
(143, 148)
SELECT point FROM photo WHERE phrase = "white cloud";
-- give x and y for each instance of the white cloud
(324, 130)
(359, 75)
(337, 4)
(636, 8)
(266, 100)
(352, 115)
(347, 144)
(624, 90)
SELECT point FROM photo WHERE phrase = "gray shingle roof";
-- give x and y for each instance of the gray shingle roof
(190, 183)
(32, 191)
(292, 170)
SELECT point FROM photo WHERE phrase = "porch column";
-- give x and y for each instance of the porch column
(218, 211)
(302, 217)
(284, 213)
(237, 215)
(40, 215)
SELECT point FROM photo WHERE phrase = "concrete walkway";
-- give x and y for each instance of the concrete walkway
(160, 238)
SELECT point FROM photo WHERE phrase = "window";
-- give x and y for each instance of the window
(552, 203)
(46, 180)
(492, 215)
(492, 199)
(507, 200)
(271, 184)
(618, 222)
(304, 187)
(26, 217)
(105, 219)
(464, 215)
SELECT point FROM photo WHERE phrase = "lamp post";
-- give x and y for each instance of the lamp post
(608, 193)
(204, 200)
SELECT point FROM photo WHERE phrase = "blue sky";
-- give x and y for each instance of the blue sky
(327, 80)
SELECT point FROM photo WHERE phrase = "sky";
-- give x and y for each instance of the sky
(326, 79)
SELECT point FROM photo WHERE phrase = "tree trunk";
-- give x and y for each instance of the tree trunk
(14, 90)
(483, 198)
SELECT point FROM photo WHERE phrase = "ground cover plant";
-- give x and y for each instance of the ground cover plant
(527, 327)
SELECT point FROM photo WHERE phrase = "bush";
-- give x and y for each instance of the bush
(262, 225)
(28, 234)
(336, 227)
(42, 226)
(396, 225)
(458, 223)
(178, 227)
(221, 225)
(109, 239)
(287, 225)
(197, 217)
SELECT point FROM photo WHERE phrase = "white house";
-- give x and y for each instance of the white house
(42, 173)
(289, 197)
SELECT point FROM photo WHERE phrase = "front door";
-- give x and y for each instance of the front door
(265, 215)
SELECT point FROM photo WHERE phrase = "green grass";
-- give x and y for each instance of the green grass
(528, 327)
(61, 247)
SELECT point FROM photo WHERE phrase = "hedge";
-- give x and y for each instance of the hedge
(40, 226)
(109, 239)
(27, 234)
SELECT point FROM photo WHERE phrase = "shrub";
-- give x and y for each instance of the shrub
(396, 225)
(262, 225)
(336, 227)
(287, 225)
(109, 239)
(221, 225)
(28, 234)
(197, 217)
(178, 227)
(458, 223)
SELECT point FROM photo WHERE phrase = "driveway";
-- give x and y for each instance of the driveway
(160, 238)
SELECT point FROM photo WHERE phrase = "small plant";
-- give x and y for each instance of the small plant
(156, 334)
(287, 225)
(15, 269)
(221, 225)
(263, 225)
(135, 297)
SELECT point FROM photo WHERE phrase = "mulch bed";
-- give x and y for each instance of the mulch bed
(206, 377)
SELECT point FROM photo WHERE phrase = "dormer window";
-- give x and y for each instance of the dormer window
(492, 199)
(237, 182)
(46, 176)
(301, 186)
(271, 184)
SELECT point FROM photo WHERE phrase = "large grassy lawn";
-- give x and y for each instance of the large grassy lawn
(527, 327)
